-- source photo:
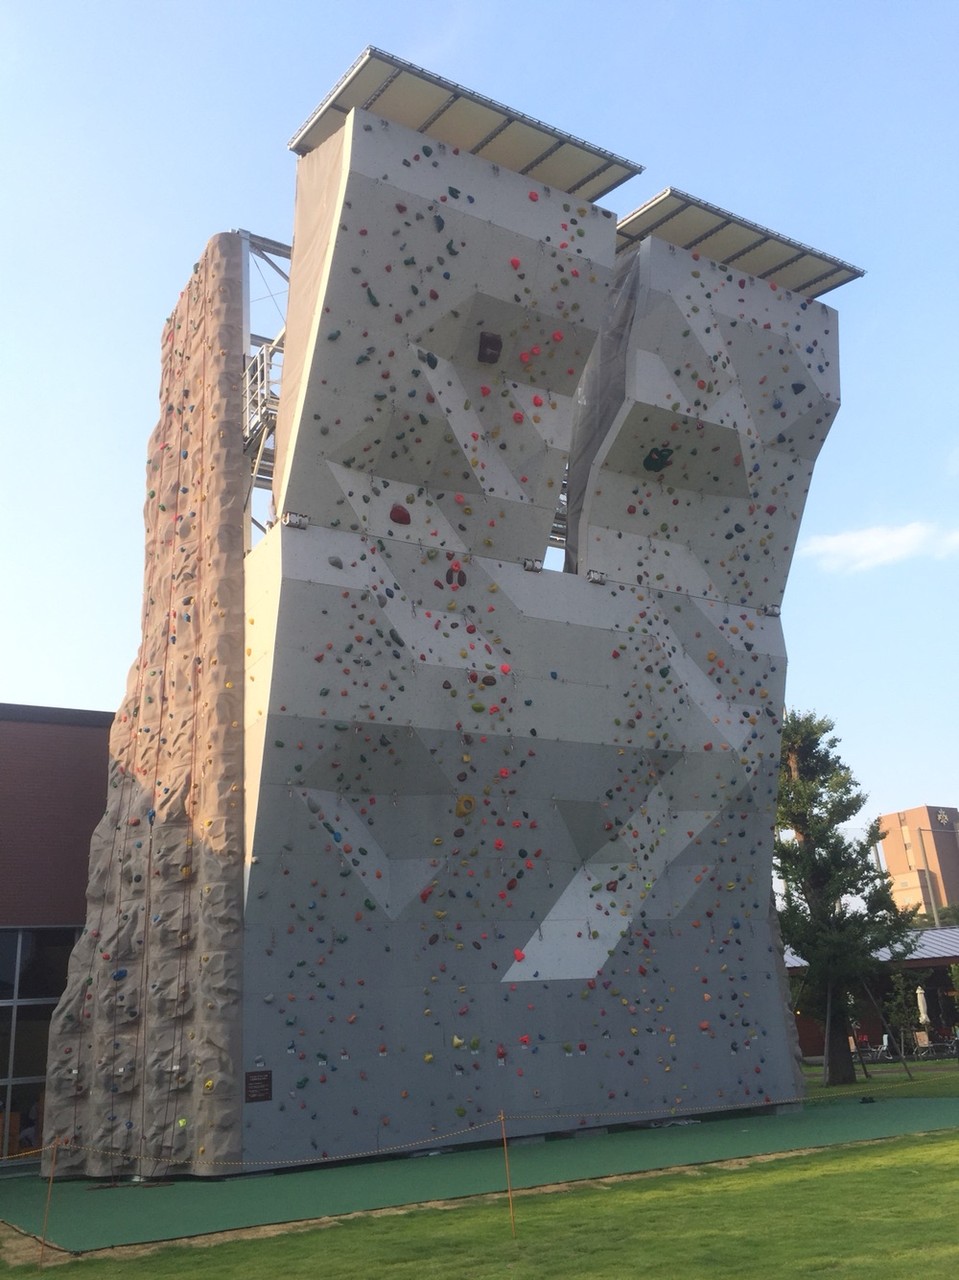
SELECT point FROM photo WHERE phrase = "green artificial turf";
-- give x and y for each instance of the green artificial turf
(886, 1209)
(900, 1178)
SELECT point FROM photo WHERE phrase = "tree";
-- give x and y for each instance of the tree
(948, 915)
(838, 908)
(902, 1012)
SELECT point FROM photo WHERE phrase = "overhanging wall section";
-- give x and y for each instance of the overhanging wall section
(511, 844)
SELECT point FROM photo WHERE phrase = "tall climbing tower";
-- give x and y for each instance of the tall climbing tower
(407, 831)
(145, 1043)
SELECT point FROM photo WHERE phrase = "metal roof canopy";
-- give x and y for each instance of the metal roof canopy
(405, 94)
(690, 223)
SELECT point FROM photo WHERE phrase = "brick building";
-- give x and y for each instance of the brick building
(53, 780)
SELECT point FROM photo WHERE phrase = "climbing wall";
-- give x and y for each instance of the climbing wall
(142, 1074)
(509, 831)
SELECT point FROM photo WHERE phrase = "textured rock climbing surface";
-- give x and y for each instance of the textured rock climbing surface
(506, 832)
(144, 1046)
(511, 835)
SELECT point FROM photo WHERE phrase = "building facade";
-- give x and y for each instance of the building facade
(44, 848)
(921, 851)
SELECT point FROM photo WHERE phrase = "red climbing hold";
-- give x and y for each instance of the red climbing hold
(399, 514)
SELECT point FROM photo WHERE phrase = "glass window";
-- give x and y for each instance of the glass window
(33, 974)
(43, 962)
(30, 1045)
(8, 962)
(6, 1021)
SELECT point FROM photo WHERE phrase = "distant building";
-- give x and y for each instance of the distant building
(53, 780)
(921, 849)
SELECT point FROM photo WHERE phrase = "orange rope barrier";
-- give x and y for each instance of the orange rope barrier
(46, 1210)
(509, 1184)
(654, 1119)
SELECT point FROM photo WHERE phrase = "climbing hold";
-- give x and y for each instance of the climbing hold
(657, 459)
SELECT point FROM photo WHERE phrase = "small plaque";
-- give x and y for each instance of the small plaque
(259, 1086)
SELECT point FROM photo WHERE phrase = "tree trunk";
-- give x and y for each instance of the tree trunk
(841, 1069)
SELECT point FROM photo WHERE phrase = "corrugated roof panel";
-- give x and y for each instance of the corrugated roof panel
(759, 257)
(799, 276)
(931, 944)
(723, 240)
(609, 177)
(567, 164)
(515, 146)
(409, 101)
(465, 123)
(361, 87)
(399, 91)
(687, 222)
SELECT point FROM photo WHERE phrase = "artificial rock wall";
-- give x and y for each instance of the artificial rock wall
(405, 834)
(145, 1042)
(509, 832)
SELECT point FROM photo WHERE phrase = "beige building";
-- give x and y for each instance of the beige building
(921, 849)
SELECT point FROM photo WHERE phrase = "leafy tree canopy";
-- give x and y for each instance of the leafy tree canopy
(838, 908)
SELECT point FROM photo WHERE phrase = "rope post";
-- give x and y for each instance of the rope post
(509, 1184)
(46, 1210)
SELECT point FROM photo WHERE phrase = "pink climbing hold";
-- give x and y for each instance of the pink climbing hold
(515, 263)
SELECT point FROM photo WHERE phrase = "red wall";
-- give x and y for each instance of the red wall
(53, 786)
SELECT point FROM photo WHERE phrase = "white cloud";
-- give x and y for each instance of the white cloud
(881, 544)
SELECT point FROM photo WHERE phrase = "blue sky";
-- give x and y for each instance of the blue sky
(133, 132)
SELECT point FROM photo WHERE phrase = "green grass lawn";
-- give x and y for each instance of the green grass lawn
(883, 1209)
(889, 1079)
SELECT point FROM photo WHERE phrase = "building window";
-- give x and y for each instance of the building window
(33, 975)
